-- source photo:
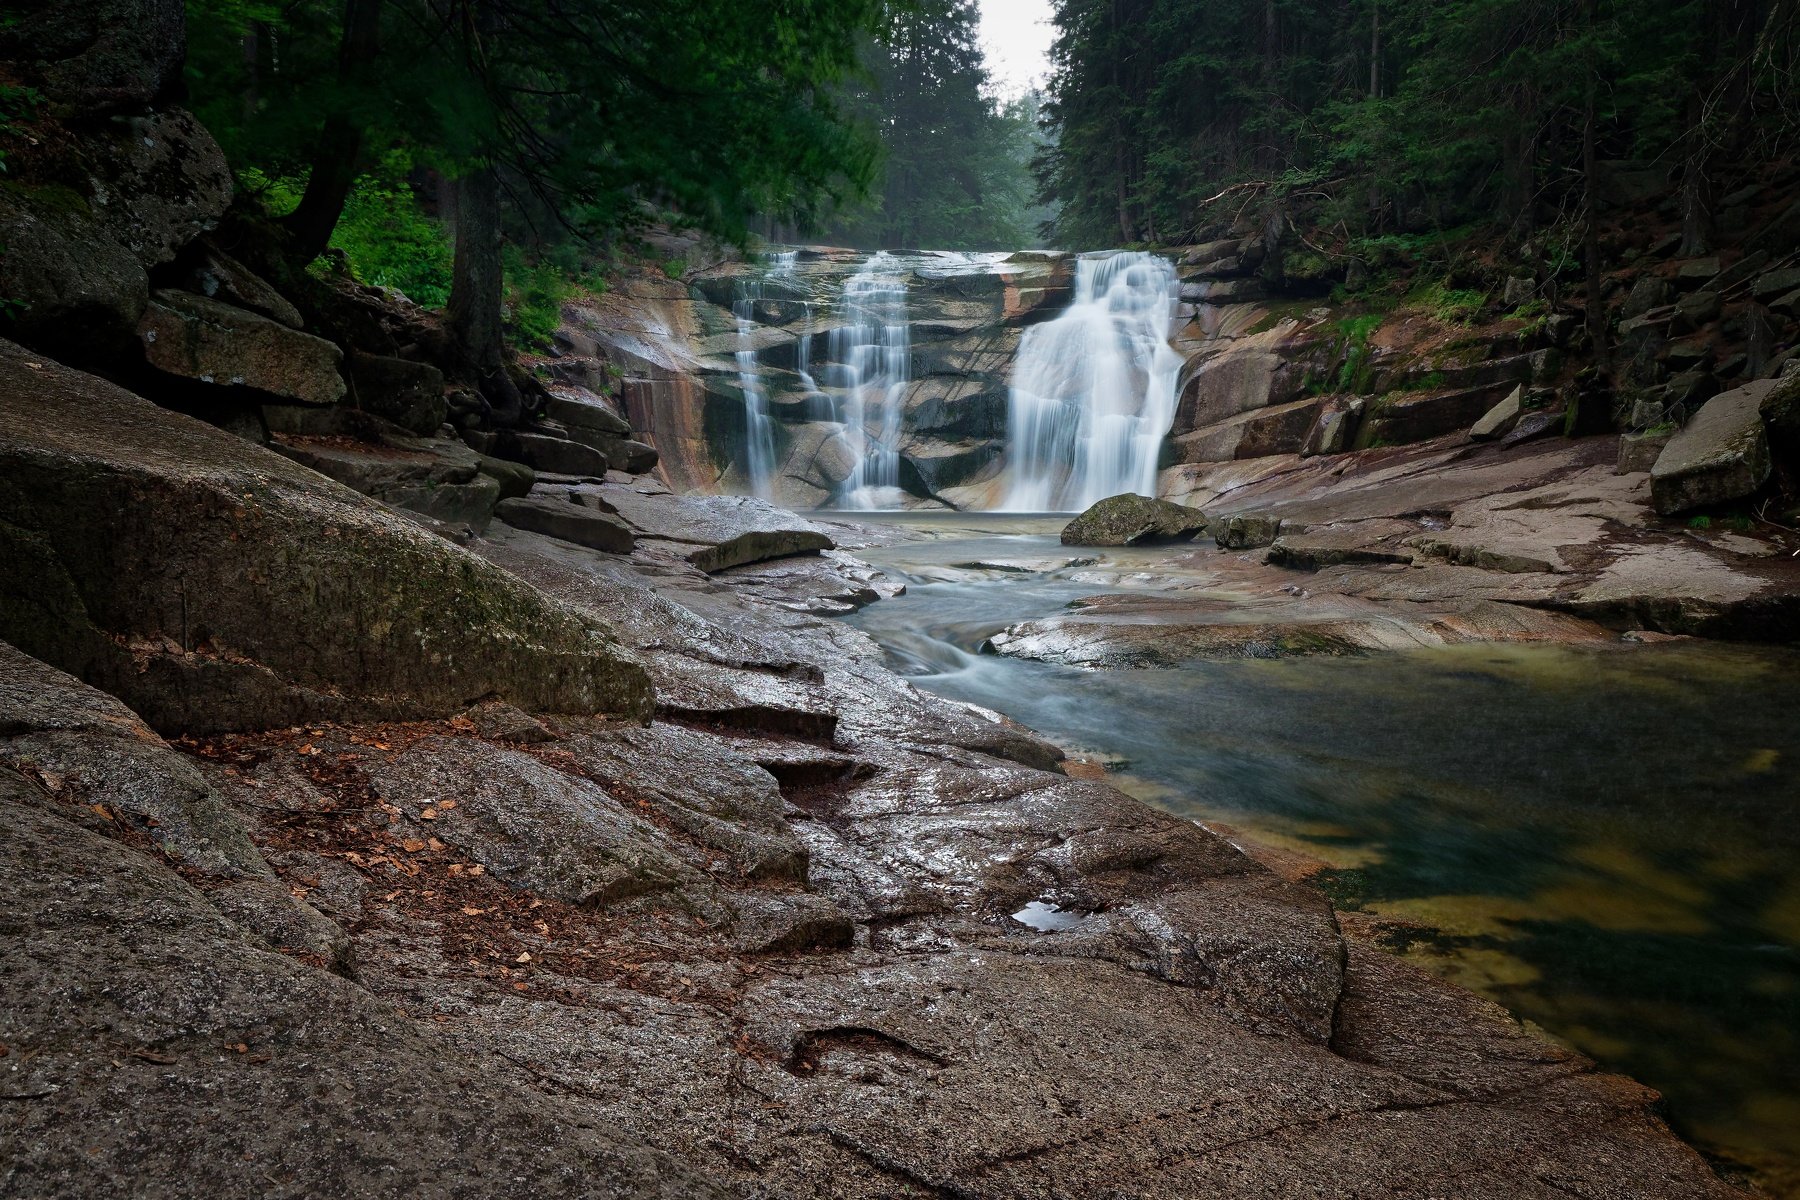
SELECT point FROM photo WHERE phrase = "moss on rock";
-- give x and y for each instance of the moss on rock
(213, 585)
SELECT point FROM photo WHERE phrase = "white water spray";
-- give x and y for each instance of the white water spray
(759, 428)
(874, 346)
(1093, 392)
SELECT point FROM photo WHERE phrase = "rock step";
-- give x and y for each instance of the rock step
(567, 521)
(1719, 456)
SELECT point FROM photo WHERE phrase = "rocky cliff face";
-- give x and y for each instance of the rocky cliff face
(669, 351)
(1273, 370)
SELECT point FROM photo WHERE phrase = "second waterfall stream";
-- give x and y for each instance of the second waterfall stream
(1093, 391)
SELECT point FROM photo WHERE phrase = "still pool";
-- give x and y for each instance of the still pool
(1604, 839)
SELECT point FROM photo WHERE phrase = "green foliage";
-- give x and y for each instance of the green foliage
(1393, 118)
(597, 116)
(1359, 357)
(1701, 522)
(1450, 306)
(535, 294)
(955, 168)
(385, 239)
(16, 104)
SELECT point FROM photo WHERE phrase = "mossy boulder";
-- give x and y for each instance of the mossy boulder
(1129, 520)
(77, 259)
(213, 585)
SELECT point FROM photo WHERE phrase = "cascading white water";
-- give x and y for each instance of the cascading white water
(1093, 392)
(759, 428)
(874, 347)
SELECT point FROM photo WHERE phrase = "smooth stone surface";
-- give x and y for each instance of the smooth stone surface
(557, 517)
(1500, 418)
(1722, 454)
(718, 532)
(554, 455)
(212, 342)
(1128, 520)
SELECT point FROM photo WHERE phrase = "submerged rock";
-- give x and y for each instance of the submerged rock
(1129, 520)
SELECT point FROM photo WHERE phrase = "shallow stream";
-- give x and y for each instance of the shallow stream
(1606, 840)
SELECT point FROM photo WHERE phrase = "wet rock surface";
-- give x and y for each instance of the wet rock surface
(1130, 520)
(1446, 527)
(766, 944)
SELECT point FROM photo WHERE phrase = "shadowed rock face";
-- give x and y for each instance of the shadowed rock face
(214, 585)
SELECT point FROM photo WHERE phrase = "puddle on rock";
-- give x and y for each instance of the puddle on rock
(1045, 917)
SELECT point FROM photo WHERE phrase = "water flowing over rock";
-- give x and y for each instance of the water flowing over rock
(1093, 392)
(873, 348)
(759, 430)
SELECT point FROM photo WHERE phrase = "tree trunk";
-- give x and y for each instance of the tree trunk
(1590, 169)
(1375, 49)
(340, 141)
(477, 289)
(1375, 94)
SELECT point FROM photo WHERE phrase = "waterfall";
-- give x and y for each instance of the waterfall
(1093, 392)
(759, 428)
(874, 347)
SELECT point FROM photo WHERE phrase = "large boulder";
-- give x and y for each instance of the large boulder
(205, 340)
(1722, 454)
(1500, 418)
(213, 585)
(1130, 520)
(78, 255)
(578, 409)
(94, 56)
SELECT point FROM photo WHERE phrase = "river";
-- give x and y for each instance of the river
(1604, 839)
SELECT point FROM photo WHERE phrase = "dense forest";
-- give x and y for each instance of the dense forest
(1397, 116)
(954, 172)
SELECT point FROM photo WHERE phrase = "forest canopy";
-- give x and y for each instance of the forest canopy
(1403, 114)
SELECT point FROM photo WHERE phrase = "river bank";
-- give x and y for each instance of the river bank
(1587, 830)
(683, 894)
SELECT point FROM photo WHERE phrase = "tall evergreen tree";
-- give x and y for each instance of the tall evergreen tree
(951, 175)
